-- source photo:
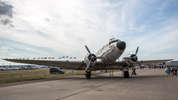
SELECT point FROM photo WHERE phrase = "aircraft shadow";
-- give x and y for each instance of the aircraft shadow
(98, 77)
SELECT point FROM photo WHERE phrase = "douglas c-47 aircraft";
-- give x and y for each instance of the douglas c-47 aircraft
(104, 59)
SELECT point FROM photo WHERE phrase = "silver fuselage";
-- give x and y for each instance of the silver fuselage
(109, 53)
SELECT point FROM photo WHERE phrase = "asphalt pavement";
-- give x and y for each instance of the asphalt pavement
(149, 84)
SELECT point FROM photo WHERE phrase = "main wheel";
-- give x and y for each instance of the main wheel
(126, 74)
(88, 74)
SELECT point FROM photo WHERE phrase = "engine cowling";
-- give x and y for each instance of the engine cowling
(90, 57)
(134, 58)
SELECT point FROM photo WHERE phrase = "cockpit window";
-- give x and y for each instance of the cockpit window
(113, 41)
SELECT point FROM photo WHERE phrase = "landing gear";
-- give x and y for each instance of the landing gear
(126, 74)
(88, 74)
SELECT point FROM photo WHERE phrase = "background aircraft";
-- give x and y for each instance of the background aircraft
(104, 59)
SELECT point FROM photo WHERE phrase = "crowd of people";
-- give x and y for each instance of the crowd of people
(171, 70)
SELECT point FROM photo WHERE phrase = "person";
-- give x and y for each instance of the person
(171, 70)
(168, 70)
(133, 71)
(175, 71)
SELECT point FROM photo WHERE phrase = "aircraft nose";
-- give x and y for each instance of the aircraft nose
(121, 45)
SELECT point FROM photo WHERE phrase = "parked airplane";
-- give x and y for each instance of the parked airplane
(104, 59)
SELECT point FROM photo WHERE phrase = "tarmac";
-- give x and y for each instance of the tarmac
(149, 84)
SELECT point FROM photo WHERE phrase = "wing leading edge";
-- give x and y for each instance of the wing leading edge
(80, 65)
(75, 65)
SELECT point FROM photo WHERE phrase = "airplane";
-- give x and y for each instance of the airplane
(104, 59)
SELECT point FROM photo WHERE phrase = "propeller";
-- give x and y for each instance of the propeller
(86, 47)
(134, 56)
(136, 50)
(88, 66)
(91, 57)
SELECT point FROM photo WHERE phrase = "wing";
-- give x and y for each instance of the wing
(121, 64)
(80, 65)
(76, 65)
(154, 61)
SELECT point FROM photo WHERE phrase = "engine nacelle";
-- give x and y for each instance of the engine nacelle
(130, 60)
(90, 57)
(134, 58)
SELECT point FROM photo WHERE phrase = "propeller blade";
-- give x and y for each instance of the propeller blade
(87, 49)
(136, 50)
(88, 65)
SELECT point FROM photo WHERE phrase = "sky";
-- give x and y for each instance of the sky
(38, 28)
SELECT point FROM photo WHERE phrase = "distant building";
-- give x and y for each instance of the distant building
(172, 63)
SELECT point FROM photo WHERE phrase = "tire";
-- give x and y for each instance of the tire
(88, 75)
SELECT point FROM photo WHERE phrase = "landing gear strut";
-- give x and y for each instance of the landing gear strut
(88, 74)
(126, 74)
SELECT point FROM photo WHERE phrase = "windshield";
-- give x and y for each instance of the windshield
(113, 40)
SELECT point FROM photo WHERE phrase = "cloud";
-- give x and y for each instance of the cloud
(6, 12)
(5, 21)
(6, 9)
(13, 48)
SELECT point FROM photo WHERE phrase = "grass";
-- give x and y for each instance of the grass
(26, 75)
